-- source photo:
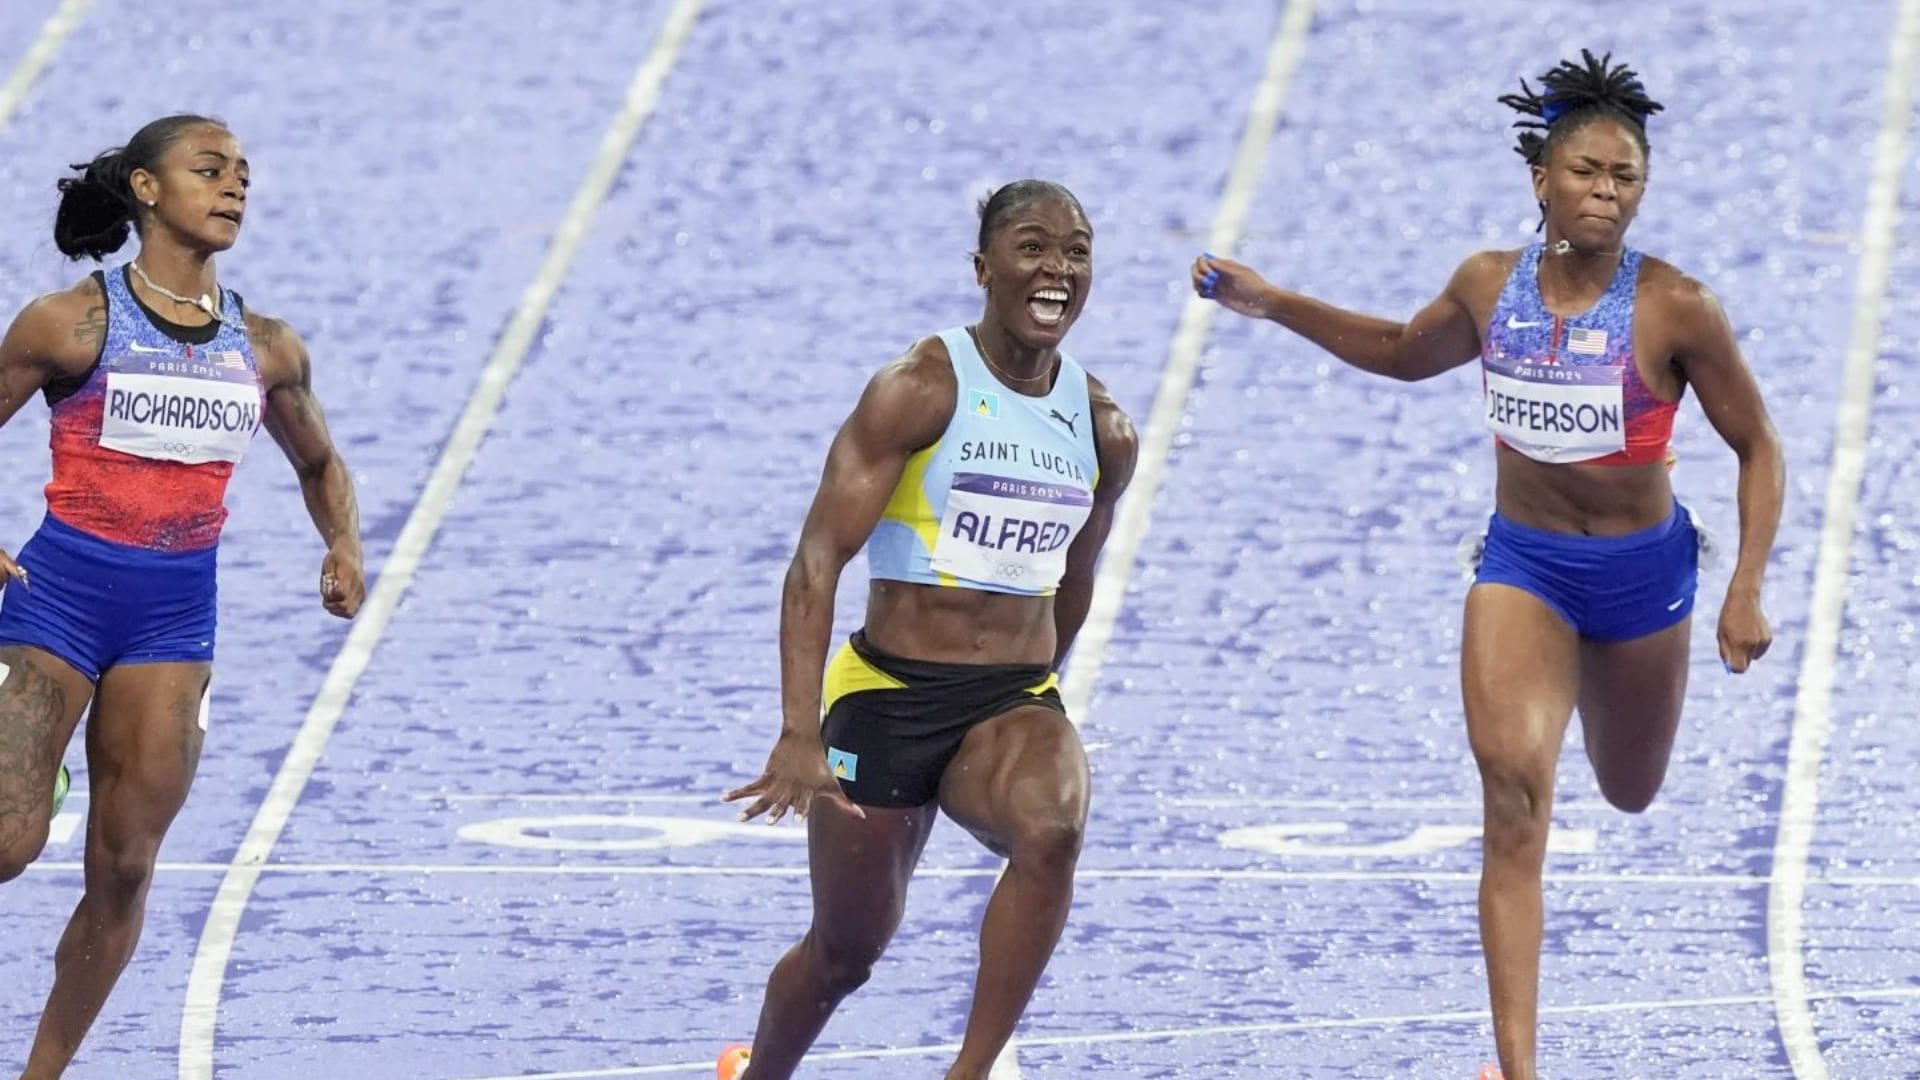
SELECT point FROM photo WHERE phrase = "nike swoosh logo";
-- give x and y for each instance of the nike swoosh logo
(139, 348)
(1514, 324)
(1675, 606)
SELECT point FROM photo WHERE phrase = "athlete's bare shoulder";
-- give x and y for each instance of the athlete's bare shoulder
(909, 401)
(63, 331)
(1684, 310)
(1478, 281)
(1486, 272)
(1665, 284)
(922, 376)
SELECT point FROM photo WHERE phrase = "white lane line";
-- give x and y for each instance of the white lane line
(1168, 874)
(1813, 701)
(1255, 802)
(1135, 513)
(201, 1012)
(1463, 1016)
(1176, 380)
(587, 800)
(39, 56)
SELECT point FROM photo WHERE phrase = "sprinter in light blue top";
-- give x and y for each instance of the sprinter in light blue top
(996, 502)
(980, 471)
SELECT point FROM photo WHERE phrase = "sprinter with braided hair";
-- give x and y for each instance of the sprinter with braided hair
(1584, 582)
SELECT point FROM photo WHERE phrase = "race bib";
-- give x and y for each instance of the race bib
(1007, 532)
(170, 418)
(1558, 413)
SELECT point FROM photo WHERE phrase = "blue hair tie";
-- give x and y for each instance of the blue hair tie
(1551, 111)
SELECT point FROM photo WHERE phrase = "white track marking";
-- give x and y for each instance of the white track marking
(1463, 1016)
(52, 35)
(1176, 380)
(201, 1012)
(1165, 874)
(1813, 702)
(1135, 513)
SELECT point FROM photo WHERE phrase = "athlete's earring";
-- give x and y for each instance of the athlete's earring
(151, 203)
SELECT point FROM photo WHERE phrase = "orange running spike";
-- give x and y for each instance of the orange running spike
(733, 1063)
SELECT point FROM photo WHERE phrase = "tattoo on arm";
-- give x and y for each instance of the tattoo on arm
(264, 333)
(92, 329)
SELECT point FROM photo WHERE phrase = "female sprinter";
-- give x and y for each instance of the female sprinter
(981, 471)
(157, 378)
(1584, 591)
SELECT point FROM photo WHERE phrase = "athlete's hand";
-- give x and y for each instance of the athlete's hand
(1744, 633)
(343, 584)
(1235, 286)
(796, 776)
(11, 571)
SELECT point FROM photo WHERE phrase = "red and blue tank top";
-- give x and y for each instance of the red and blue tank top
(145, 441)
(1566, 389)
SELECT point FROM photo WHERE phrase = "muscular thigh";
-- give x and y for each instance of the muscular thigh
(1631, 694)
(143, 741)
(41, 700)
(1025, 764)
(860, 868)
(1519, 675)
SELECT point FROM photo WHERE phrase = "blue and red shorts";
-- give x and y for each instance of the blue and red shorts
(97, 604)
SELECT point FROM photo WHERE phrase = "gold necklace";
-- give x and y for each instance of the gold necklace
(205, 303)
(980, 343)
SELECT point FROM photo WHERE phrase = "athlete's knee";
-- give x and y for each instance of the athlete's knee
(843, 964)
(19, 848)
(13, 864)
(1047, 841)
(1519, 808)
(1633, 795)
(1629, 781)
(121, 872)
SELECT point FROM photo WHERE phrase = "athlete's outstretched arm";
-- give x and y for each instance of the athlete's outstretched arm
(297, 424)
(1118, 446)
(1731, 399)
(1441, 337)
(906, 407)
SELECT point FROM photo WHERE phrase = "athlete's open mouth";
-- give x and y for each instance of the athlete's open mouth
(228, 215)
(1049, 305)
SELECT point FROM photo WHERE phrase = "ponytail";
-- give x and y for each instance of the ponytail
(97, 208)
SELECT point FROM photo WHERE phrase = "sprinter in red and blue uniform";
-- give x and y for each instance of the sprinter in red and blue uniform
(158, 379)
(1584, 586)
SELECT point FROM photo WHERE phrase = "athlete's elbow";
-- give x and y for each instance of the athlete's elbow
(1760, 448)
(1402, 369)
(317, 469)
(814, 570)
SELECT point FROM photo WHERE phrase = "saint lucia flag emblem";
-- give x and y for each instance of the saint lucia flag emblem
(981, 403)
(845, 766)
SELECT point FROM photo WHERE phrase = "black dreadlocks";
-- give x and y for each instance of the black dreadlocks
(1573, 95)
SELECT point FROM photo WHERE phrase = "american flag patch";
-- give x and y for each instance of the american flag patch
(1587, 342)
(230, 359)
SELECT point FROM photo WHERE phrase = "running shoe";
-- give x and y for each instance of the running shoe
(733, 1063)
(61, 785)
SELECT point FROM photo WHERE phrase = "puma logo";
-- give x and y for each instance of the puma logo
(1055, 415)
